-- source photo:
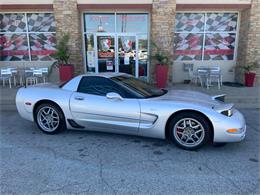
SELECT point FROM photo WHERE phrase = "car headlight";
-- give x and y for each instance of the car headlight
(227, 112)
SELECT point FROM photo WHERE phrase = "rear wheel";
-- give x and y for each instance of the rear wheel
(189, 130)
(49, 118)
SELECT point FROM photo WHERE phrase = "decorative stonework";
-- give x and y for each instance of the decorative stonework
(249, 40)
(162, 30)
(67, 18)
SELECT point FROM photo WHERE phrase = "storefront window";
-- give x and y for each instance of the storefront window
(27, 40)
(117, 42)
(12, 22)
(205, 36)
(13, 47)
(188, 46)
(219, 46)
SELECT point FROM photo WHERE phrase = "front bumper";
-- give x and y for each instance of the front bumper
(236, 121)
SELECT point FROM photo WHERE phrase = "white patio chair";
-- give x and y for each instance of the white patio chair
(14, 74)
(38, 74)
(45, 72)
(6, 75)
(214, 76)
(30, 79)
(193, 76)
(202, 75)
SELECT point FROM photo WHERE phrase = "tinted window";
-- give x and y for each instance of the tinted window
(140, 88)
(98, 86)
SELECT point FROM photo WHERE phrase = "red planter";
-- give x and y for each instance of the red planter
(66, 72)
(161, 75)
(249, 79)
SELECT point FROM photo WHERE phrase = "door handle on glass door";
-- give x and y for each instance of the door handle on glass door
(79, 98)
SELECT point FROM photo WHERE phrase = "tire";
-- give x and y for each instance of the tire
(49, 118)
(186, 136)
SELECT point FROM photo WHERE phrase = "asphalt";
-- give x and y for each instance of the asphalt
(77, 162)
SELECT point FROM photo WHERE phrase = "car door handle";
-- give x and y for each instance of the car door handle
(79, 98)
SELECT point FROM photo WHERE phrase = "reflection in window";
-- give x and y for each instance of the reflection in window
(215, 42)
(99, 23)
(13, 47)
(132, 23)
(143, 55)
(90, 54)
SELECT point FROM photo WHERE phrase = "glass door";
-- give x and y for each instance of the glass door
(105, 52)
(126, 55)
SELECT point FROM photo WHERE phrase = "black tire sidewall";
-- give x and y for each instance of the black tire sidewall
(61, 126)
(204, 122)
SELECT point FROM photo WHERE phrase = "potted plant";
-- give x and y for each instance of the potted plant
(62, 56)
(250, 74)
(161, 69)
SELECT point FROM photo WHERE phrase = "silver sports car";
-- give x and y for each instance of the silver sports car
(120, 103)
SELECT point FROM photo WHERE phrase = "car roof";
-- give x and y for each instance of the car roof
(104, 74)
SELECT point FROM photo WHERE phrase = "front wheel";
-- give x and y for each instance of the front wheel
(189, 130)
(49, 118)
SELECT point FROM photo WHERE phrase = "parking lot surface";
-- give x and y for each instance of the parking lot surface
(77, 162)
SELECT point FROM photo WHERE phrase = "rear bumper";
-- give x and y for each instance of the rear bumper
(236, 121)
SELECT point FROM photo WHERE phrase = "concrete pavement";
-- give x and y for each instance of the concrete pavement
(76, 162)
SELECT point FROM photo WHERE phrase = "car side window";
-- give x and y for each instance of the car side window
(97, 86)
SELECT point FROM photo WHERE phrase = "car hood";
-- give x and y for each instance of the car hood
(192, 97)
(44, 85)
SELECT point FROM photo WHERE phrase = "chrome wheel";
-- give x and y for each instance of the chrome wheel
(189, 132)
(48, 119)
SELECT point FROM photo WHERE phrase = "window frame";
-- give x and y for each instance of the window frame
(204, 32)
(27, 33)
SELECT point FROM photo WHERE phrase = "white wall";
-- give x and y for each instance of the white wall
(227, 69)
(21, 64)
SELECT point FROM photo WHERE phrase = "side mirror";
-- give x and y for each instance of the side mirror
(113, 95)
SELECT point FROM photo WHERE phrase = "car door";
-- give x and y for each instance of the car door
(91, 108)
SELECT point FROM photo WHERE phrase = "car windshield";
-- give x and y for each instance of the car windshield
(139, 87)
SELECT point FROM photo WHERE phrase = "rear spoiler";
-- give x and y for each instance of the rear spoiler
(219, 97)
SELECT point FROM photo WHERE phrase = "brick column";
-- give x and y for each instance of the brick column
(162, 31)
(249, 40)
(67, 18)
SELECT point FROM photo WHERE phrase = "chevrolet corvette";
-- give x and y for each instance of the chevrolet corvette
(120, 103)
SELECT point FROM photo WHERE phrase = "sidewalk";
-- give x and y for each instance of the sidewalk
(242, 97)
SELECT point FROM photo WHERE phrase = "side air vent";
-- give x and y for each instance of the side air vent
(74, 124)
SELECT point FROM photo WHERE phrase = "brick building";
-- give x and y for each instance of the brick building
(114, 35)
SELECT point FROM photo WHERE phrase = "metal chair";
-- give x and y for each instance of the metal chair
(45, 72)
(202, 75)
(14, 74)
(215, 76)
(30, 79)
(193, 76)
(6, 75)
